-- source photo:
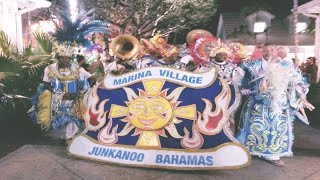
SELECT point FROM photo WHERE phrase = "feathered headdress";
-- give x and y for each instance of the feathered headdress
(200, 48)
(238, 49)
(147, 47)
(239, 52)
(76, 31)
(64, 49)
(164, 49)
(220, 49)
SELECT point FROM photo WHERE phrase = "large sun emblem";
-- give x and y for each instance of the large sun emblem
(152, 112)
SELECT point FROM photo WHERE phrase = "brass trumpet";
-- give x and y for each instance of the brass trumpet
(125, 46)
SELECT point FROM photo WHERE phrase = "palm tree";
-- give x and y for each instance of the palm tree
(20, 73)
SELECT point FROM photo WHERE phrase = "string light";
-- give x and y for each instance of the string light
(73, 6)
(295, 24)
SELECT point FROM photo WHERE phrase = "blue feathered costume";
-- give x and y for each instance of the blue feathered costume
(57, 114)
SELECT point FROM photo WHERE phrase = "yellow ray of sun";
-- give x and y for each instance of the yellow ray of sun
(153, 87)
(149, 139)
(186, 112)
(118, 111)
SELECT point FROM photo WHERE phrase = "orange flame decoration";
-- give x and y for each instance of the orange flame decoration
(195, 142)
(95, 118)
(211, 123)
(107, 138)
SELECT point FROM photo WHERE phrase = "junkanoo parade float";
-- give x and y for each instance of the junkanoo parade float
(154, 105)
(159, 106)
(159, 112)
(161, 116)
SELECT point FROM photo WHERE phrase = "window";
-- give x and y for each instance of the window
(259, 27)
(301, 26)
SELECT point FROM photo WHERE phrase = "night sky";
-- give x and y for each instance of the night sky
(277, 6)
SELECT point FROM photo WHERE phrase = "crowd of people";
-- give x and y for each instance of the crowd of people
(273, 85)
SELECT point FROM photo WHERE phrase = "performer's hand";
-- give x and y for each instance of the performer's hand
(245, 91)
(303, 103)
(304, 115)
(308, 105)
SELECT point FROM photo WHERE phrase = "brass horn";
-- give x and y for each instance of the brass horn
(125, 46)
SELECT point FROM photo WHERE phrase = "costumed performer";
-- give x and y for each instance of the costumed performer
(147, 54)
(168, 53)
(219, 58)
(200, 51)
(276, 93)
(58, 106)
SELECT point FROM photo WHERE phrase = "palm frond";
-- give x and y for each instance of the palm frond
(8, 67)
(40, 58)
(6, 45)
(4, 75)
(44, 41)
(8, 102)
(27, 51)
(36, 69)
(20, 73)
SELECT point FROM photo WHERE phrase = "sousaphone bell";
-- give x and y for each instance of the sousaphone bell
(125, 46)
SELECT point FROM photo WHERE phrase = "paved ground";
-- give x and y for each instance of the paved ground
(52, 162)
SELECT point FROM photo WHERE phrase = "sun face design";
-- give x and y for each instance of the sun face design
(152, 113)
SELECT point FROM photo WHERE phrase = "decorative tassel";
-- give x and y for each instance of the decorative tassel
(44, 107)
(79, 107)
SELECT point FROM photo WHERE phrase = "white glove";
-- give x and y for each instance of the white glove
(245, 91)
(239, 72)
(237, 76)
